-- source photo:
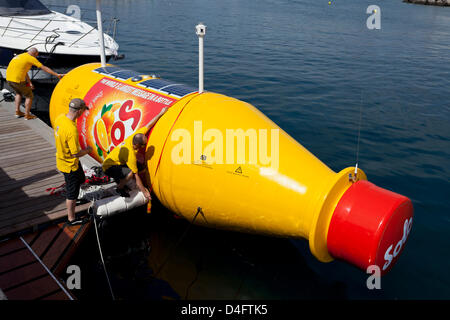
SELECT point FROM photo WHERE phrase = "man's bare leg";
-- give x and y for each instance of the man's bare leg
(28, 103)
(71, 204)
(18, 101)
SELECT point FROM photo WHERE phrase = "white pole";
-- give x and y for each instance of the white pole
(100, 35)
(200, 65)
(201, 31)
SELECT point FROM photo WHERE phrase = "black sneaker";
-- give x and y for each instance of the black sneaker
(78, 221)
(122, 193)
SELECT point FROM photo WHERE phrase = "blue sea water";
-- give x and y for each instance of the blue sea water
(315, 69)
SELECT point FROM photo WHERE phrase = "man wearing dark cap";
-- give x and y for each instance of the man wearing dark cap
(68, 152)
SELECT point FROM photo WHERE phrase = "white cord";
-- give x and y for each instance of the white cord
(101, 256)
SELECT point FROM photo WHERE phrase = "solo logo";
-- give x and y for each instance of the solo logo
(389, 255)
(111, 127)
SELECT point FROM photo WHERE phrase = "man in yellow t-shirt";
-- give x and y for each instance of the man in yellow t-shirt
(68, 152)
(121, 163)
(18, 79)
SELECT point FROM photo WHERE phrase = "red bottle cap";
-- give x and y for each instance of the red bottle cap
(370, 226)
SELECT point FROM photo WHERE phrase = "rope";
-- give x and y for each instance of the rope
(54, 190)
(198, 267)
(199, 210)
(101, 253)
(359, 134)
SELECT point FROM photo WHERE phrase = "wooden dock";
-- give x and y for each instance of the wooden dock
(31, 265)
(27, 170)
(35, 241)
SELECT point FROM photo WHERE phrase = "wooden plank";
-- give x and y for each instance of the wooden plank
(22, 136)
(42, 209)
(28, 202)
(13, 127)
(36, 164)
(59, 295)
(9, 246)
(30, 237)
(9, 229)
(26, 164)
(17, 147)
(33, 190)
(26, 153)
(21, 275)
(25, 175)
(14, 147)
(7, 117)
(18, 138)
(53, 181)
(44, 240)
(26, 221)
(13, 158)
(38, 178)
(36, 221)
(11, 122)
(34, 158)
(33, 290)
(44, 147)
(38, 204)
(59, 246)
(77, 233)
(15, 259)
(50, 180)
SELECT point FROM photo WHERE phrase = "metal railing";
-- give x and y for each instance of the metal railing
(55, 32)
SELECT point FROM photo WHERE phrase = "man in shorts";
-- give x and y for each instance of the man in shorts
(68, 152)
(121, 163)
(18, 79)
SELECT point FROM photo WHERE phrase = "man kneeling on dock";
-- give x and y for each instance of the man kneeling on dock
(68, 152)
(121, 163)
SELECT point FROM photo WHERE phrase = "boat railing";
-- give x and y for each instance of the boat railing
(56, 32)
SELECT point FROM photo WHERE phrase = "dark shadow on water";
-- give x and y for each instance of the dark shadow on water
(205, 264)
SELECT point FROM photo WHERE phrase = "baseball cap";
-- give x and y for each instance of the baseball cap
(77, 104)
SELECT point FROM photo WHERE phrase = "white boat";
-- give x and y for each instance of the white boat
(63, 41)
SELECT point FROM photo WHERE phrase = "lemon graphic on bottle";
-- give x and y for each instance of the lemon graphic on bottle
(101, 137)
(101, 130)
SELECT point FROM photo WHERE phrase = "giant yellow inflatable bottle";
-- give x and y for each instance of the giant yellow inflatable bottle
(222, 157)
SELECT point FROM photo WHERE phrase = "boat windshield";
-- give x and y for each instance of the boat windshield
(22, 8)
